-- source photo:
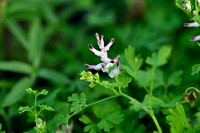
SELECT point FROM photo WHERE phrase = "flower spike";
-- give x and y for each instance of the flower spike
(107, 62)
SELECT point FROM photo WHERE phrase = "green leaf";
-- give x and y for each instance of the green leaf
(45, 107)
(53, 75)
(24, 109)
(143, 77)
(16, 66)
(195, 69)
(175, 78)
(152, 101)
(77, 102)
(91, 128)
(17, 91)
(134, 62)
(177, 118)
(160, 58)
(172, 103)
(36, 42)
(123, 79)
(108, 122)
(17, 32)
(85, 119)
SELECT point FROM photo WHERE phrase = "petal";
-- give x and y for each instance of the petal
(106, 60)
(196, 38)
(95, 67)
(108, 45)
(96, 52)
(194, 24)
(115, 71)
(102, 42)
(116, 59)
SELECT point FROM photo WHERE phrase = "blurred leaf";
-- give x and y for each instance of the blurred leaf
(160, 58)
(175, 78)
(143, 78)
(17, 91)
(77, 102)
(133, 61)
(17, 32)
(100, 17)
(91, 128)
(53, 75)
(195, 69)
(36, 42)
(172, 102)
(108, 122)
(85, 119)
(24, 109)
(153, 101)
(49, 14)
(16, 66)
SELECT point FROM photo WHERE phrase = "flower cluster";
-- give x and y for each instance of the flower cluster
(106, 62)
(193, 24)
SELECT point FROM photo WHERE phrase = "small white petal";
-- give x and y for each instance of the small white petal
(95, 67)
(107, 47)
(194, 24)
(196, 38)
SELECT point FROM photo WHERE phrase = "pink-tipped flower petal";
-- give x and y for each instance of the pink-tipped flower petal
(102, 42)
(95, 67)
(107, 47)
(194, 24)
(116, 59)
(115, 71)
(196, 38)
(96, 52)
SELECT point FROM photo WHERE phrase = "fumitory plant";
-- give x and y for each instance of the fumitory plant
(150, 78)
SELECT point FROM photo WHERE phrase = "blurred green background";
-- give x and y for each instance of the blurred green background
(44, 45)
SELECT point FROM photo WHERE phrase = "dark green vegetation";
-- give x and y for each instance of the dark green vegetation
(44, 45)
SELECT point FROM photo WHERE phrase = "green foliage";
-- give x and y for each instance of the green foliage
(40, 125)
(178, 120)
(78, 102)
(195, 69)
(160, 58)
(107, 123)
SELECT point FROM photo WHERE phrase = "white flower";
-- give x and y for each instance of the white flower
(107, 62)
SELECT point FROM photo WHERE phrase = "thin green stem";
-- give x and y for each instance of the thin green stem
(155, 120)
(152, 80)
(196, 7)
(150, 112)
(35, 113)
(146, 90)
(86, 106)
